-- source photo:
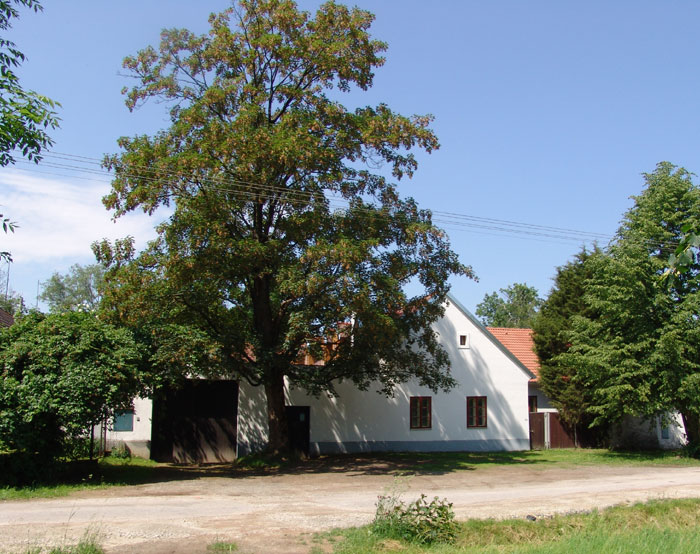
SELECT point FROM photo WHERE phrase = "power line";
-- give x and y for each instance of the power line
(250, 191)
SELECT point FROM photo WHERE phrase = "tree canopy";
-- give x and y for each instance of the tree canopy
(552, 327)
(514, 306)
(79, 288)
(284, 239)
(62, 374)
(640, 353)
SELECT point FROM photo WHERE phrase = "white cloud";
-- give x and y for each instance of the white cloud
(59, 217)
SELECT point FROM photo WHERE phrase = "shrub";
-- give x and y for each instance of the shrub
(59, 374)
(120, 451)
(419, 522)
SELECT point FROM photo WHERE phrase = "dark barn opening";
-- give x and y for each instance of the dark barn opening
(195, 423)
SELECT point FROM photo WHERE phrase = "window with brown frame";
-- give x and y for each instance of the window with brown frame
(476, 411)
(421, 412)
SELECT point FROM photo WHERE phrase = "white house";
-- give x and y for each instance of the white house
(486, 411)
(519, 342)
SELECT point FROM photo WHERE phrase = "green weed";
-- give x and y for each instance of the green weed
(222, 546)
(663, 526)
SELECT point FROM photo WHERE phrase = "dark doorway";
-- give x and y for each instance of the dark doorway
(195, 422)
(299, 427)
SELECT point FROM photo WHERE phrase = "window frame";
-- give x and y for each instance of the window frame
(474, 417)
(122, 414)
(424, 407)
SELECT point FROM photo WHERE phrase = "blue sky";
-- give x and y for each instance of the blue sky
(547, 114)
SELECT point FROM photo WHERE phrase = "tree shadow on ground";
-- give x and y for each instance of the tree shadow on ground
(399, 463)
(139, 472)
(416, 463)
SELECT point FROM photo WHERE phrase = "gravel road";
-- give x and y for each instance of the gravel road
(279, 513)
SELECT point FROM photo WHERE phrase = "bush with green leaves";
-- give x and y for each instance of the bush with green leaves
(420, 521)
(59, 375)
(121, 451)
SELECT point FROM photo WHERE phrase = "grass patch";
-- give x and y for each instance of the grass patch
(658, 526)
(89, 544)
(222, 546)
(108, 472)
(113, 471)
(461, 461)
(446, 462)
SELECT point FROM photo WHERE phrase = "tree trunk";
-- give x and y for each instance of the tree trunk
(278, 439)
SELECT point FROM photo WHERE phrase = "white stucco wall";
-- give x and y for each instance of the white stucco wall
(634, 432)
(364, 421)
(139, 440)
(252, 419)
(675, 436)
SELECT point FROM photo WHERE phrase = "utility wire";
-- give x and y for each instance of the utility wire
(250, 191)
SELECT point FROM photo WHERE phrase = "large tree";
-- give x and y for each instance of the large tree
(513, 306)
(79, 288)
(552, 327)
(640, 352)
(282, 240)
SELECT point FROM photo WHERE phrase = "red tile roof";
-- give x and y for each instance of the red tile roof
(520, 344)
(5, 319)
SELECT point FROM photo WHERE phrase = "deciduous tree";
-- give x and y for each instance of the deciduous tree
(640, 353)
(514, 306)
(283, 240)
(79, 288)
(61, 374)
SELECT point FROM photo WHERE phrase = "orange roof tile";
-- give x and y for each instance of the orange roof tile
(519, 342)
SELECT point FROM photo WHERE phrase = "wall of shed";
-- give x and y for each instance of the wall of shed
(137, 441)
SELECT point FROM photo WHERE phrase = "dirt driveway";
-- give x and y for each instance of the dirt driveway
(279, 513)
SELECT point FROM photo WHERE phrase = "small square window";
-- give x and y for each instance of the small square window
(124, 420)
(476, 411)
(464, 341)
(421, 412)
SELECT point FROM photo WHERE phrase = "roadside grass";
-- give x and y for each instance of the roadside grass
(460, 461)
(446, 462)
(89, 544)
(114, 471)
(108, 472)
(222, 546)
(658, 526)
